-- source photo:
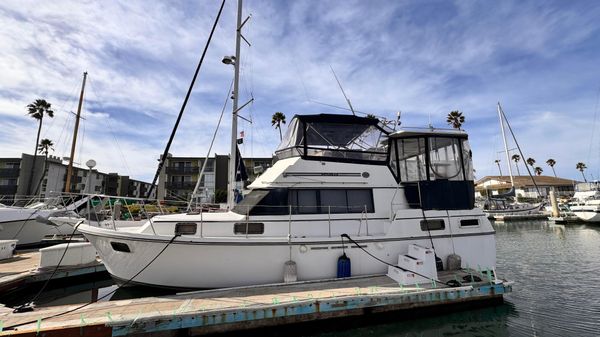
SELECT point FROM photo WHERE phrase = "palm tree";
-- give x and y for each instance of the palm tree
(37, 110)
(497, 161)
(277, 119)
(538, 170)
(530, 161)
(581, 166)
(456, 119)
(551, 162)
(44, 148)
(516, 158)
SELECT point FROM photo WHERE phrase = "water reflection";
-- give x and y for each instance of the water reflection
(490, 321)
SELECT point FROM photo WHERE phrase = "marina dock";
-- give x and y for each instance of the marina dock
(518, 217)
(23, 269)
(243, 308)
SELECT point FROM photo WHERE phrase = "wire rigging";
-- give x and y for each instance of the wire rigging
(111, 127)
(187, 96)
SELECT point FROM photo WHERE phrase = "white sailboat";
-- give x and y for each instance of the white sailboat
(335, 175)
(500, 205)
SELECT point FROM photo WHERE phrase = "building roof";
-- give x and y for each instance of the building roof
(524, 181)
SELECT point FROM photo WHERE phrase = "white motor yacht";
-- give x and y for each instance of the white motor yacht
(334, 175)
(586, 204)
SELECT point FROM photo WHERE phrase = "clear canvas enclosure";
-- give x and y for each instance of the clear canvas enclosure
(424, 156)
(335, 137)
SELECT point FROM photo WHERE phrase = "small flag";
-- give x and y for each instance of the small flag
(240, 140)
(241, 134)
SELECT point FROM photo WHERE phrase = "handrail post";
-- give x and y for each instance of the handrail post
(329, 218)
(367, 219)
(290, 223)
(201, 222)
(247, 211)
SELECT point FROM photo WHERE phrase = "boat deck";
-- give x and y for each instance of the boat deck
(22, 268)
(236, 309)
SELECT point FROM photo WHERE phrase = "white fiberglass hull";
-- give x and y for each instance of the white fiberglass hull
(214, 263)
(30, 231)
(589, 215)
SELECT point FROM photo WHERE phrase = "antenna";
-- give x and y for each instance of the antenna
(398, 122)
(342, 89)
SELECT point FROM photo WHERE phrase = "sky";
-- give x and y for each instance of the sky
(539, 59)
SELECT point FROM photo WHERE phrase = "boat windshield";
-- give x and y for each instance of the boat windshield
(336, 138)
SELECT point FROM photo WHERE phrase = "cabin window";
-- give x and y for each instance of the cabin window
(444, 158)
(411, 155)
(334, 201)
(360, 200)
(120, 247)
(249, 228)
(264, 202)
(432, 225)
(185, 228)
(469, 223)
(306, 201)
(323, 201)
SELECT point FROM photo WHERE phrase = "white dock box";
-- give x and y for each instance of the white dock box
(79, 253)
(7, 248)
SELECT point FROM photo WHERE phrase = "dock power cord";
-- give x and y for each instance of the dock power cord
(99, 299)
(451, 283)
(26, 307)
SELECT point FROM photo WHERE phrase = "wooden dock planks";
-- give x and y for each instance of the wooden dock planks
(248, 307)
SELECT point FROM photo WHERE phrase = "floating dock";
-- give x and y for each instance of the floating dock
(564, 219)
(518, 217)
(243, 308)
(23, 269)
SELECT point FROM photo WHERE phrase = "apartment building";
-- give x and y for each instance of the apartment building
(18, 179)
(180, 175)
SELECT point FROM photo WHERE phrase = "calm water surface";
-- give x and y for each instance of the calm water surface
(556, 270)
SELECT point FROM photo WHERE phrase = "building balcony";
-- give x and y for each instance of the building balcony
(8, 189)
(9, 172)
(182, 170)
(180, 185)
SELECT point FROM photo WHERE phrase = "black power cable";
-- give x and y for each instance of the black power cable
(451, 283)
(29, 305)
(103, 297)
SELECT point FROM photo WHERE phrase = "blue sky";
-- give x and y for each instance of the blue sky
(540, 59)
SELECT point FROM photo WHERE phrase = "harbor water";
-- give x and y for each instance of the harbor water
(556, 270)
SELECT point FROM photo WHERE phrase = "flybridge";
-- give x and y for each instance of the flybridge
(344, 138)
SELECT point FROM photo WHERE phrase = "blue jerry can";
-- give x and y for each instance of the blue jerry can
(343, 266)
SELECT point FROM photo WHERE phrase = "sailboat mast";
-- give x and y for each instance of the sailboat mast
(233, 152)
(74, 143)
(512, 181)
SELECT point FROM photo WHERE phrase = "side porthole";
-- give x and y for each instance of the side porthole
(248, 228)
(186, 228)
(432, 225)
(120, 247)
(469, 223)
